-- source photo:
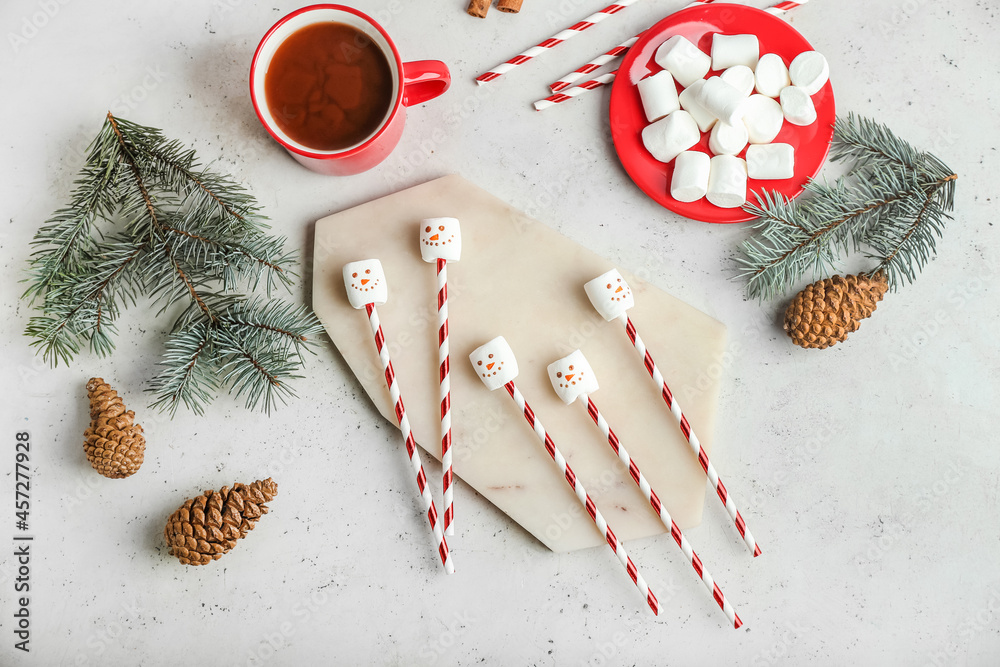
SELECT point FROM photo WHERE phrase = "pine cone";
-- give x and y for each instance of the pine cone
(206, 527)
(114, 443)
(824, 313)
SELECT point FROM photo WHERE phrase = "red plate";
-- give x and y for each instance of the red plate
(698, 24)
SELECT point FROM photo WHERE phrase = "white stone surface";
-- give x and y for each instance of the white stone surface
(869, 472)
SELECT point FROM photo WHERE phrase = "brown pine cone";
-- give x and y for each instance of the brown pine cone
(206, 527)
(114, 443)
(824, 313)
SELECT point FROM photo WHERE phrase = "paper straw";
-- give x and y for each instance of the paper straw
(689, 435)
(570, 93)
(583, 497)
(778, 10)
(553, 41)
(594, 65)
(445, 394)
(411, 444)
(661, 510)
(605, 58)
(785, 6)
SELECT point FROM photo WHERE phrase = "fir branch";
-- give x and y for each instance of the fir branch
(236, 260)
(65, 238)
(188, 376)
(894, 201)
(185, 235)
(908, 242)
(869, 143)
(85, 308)
(255, 371)
(273, 325)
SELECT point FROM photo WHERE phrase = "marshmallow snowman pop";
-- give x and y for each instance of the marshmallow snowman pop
(366, 288)
(573, 378)
(612, 297)
(496, 366)
(441, 242)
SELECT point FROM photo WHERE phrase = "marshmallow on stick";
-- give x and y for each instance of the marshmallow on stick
(573, 378)
(366, 288)
(496, 366)
(612, 297)
(440, 243)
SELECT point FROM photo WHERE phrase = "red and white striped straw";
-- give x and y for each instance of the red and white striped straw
(778, 10)
(411, 444)
(553, 41)
(785, 6)
(594, 65)
(583, 497)
(659, 508)
(444, 364)
(570, 93)
(605, 58)
(689, 435)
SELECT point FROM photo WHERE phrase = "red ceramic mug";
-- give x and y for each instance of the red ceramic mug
(412, 83)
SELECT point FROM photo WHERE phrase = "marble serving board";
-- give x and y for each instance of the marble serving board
(519, 279)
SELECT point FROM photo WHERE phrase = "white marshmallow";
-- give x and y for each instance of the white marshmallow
(729, 50)
(728, 139)
(797, 106)
(721, 100)
(365, 283)
(690, 180)
(771, 74)
(809, 71)
(727, 181)
(610, 294)
(572, 377)
(668, 137)
(770, 161)
(689, 102)
(763, 119)
(659, 95)
(741, 78)
(494, 363)
(683, 59)
(440, 238)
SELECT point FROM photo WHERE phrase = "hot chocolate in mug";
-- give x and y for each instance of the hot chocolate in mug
(329, 85)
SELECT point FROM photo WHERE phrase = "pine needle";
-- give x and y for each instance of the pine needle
(181, 234)
(892, 204)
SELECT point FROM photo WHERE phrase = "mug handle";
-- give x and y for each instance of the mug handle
(424, 80)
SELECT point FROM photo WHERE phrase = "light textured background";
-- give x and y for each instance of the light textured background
(869, 471)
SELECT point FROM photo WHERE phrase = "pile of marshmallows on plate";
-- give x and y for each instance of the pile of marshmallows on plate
(726, 106)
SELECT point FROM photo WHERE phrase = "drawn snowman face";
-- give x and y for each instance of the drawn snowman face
(610, 294)
(494, 363)
(572, 376)
(365, 283)
(440, 238)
